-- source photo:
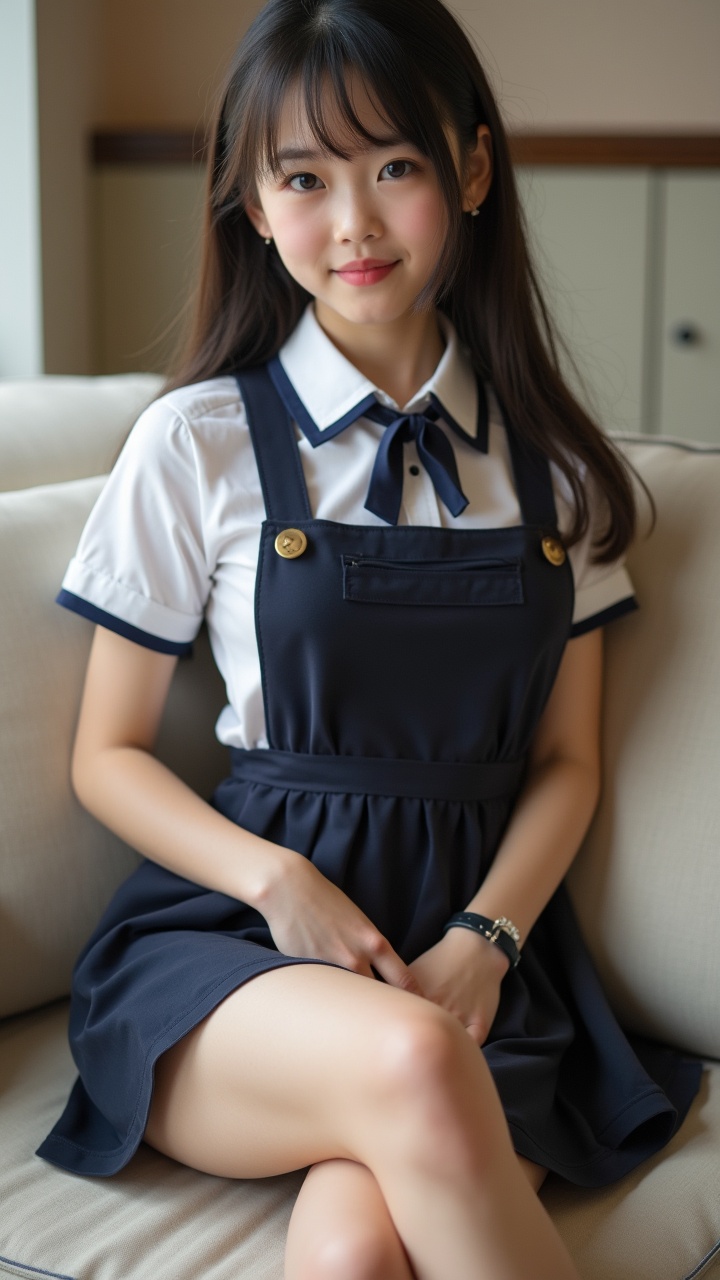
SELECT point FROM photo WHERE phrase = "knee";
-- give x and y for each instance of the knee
(431, 1077)
(355, 1253)
(423, 1053)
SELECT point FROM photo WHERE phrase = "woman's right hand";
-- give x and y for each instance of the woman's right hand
(309, 916)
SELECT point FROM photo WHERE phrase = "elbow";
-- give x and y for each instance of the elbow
(86, 778)
(595, 784)
(589, 777)
(79, 775)
(583, 774)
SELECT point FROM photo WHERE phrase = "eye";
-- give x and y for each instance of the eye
(397, 169)
(304, 182)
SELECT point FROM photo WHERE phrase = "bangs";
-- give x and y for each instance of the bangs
(317, 69)
(326, 109)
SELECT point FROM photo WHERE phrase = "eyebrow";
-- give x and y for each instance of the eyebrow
(298, 154)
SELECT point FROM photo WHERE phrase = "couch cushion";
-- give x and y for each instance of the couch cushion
(647, 882)
(158, 1219)
(661, 1221)
(61, 428)
(155, 1219)
(58, 866)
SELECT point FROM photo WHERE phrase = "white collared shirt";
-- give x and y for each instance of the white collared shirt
(174, 536)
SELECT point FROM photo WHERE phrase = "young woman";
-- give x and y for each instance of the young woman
(406, 538)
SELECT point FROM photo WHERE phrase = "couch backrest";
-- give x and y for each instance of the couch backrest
(58, 866)
(647, 881)
(62, 428)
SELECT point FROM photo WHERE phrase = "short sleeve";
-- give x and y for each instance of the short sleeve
(601, 599)
(140, 568)
(603, 592)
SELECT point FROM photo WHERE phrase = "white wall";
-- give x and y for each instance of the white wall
(21, 339)
(557, 64)
(163, 59)
(630, 65)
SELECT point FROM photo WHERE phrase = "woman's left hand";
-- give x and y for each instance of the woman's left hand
(462, 973)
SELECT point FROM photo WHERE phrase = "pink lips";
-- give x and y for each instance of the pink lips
(365, 271)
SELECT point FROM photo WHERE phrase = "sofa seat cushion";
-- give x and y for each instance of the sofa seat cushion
(158, 1219)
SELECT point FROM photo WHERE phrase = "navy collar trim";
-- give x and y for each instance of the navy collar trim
(298, 410)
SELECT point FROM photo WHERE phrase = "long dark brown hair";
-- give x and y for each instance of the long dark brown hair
(421, 73)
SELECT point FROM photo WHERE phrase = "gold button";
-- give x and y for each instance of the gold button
(290, 543)
(553, 551)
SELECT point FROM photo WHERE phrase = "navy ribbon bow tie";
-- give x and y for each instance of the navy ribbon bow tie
(435, 451)
(386, 482)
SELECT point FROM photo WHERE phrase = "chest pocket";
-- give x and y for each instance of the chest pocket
(452, 583)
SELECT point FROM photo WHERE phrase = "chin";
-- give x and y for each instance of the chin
(371, 311)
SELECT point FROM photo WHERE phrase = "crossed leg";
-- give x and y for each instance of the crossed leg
(312, 1064)
(341, 1227)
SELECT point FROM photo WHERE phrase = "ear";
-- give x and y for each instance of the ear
(257, 217)
(479, 170)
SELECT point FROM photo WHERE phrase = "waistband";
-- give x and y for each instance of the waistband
(377, 776)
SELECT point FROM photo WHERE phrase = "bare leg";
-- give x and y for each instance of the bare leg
(312, 1063)
(534, 1173)
(341, 1229)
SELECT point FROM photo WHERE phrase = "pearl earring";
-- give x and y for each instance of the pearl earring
(474, 212)
(268, 239)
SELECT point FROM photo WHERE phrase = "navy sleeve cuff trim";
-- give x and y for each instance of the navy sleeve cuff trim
(91, 611)
(607, 615)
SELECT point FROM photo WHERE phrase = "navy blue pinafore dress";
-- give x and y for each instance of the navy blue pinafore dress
(404, 672)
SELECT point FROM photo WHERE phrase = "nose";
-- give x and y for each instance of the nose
(356, 217)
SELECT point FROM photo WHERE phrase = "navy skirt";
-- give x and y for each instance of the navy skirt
(581, 1098)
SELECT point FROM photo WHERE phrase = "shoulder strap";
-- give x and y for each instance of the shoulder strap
(276, 451)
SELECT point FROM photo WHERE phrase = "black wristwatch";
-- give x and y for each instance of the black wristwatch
(501, 932)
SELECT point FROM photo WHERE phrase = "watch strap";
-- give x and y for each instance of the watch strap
(501, 932)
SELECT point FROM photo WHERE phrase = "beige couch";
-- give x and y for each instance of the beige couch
(647, 882)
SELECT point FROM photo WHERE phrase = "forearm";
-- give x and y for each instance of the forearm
(545, 831)
(149, 807)
(146, 804)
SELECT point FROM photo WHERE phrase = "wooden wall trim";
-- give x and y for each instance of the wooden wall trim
(183, 146)
(147, 146)
(668, 151)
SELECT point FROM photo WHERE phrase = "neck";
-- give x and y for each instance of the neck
(397, 357)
